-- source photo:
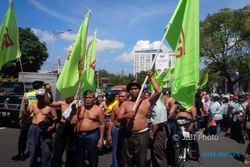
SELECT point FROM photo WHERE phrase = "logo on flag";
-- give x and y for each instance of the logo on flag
(181, 48)
(92, 65)
(7, 42)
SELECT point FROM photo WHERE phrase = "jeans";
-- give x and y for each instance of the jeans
(38, 141)
(117, 135)
(218, 127)
(86, 142)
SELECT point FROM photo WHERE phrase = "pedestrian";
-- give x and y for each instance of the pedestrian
(247, 125)
(206, 104)
(25, 119)
(88, 137)
(133, 151)
(159, 133)
(64, 136)
(224, 107)
(40, 131)
(216, 114)
(239, 112)
(116, 131)
(199, 108)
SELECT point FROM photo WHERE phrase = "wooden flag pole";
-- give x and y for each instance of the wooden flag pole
(22, 75)
(151, 66)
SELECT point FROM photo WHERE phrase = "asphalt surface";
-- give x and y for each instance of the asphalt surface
(216, 151)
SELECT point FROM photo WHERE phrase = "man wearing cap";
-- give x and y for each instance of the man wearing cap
(40, 132)
(25, 120)
(136, 138)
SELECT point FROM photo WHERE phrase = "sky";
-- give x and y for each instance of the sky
(122, 25)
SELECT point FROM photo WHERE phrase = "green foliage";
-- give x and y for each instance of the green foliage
(121, 79)
(225, 44)
(34, 53)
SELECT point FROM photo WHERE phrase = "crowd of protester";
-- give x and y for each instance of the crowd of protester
(82, 128)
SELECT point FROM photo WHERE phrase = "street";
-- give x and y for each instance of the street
(219, 151)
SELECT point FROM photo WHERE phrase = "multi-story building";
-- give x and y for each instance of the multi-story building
(144, 58)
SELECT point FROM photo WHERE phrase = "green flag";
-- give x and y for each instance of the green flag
(204, 82)
(164, 77)
(9, 38)
(183, 37)
(68, 80)
(89, 65)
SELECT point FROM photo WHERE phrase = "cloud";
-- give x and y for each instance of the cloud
(44, 36)
(104, 44)
(52, 12)
(125, 57)
(68, 36)
(141, 45)
(145, 44)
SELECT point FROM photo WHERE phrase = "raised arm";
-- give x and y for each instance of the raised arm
(55, 104)
(157, 90)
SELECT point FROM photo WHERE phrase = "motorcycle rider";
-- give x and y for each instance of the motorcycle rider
(190, 114)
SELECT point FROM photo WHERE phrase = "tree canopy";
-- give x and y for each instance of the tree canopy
(225, 44)
(34, 53)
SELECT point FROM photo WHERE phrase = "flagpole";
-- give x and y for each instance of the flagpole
(22, 75)
(151, 66)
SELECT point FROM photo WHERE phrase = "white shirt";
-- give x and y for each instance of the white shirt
(158, 112)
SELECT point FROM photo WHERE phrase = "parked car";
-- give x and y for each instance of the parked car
(11, 94)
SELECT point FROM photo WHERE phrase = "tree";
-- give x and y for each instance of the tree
(34, 53)
(225, 44)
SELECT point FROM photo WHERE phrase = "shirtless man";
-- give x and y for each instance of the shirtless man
(136, 139)
(117, 131)
(64, 136)
(40, 132)
(88, 137)
(190, 114)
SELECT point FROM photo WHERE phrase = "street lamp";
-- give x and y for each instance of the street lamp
(56, 33)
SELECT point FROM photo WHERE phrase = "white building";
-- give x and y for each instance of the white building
(144, 58)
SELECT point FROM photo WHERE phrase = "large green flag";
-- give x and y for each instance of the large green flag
(9, 38)
(183, 37)
(89, 65)
(68, 80)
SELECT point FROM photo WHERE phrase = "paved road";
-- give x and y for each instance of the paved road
(214, 152)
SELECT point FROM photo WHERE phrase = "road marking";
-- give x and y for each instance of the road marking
(2, 128)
